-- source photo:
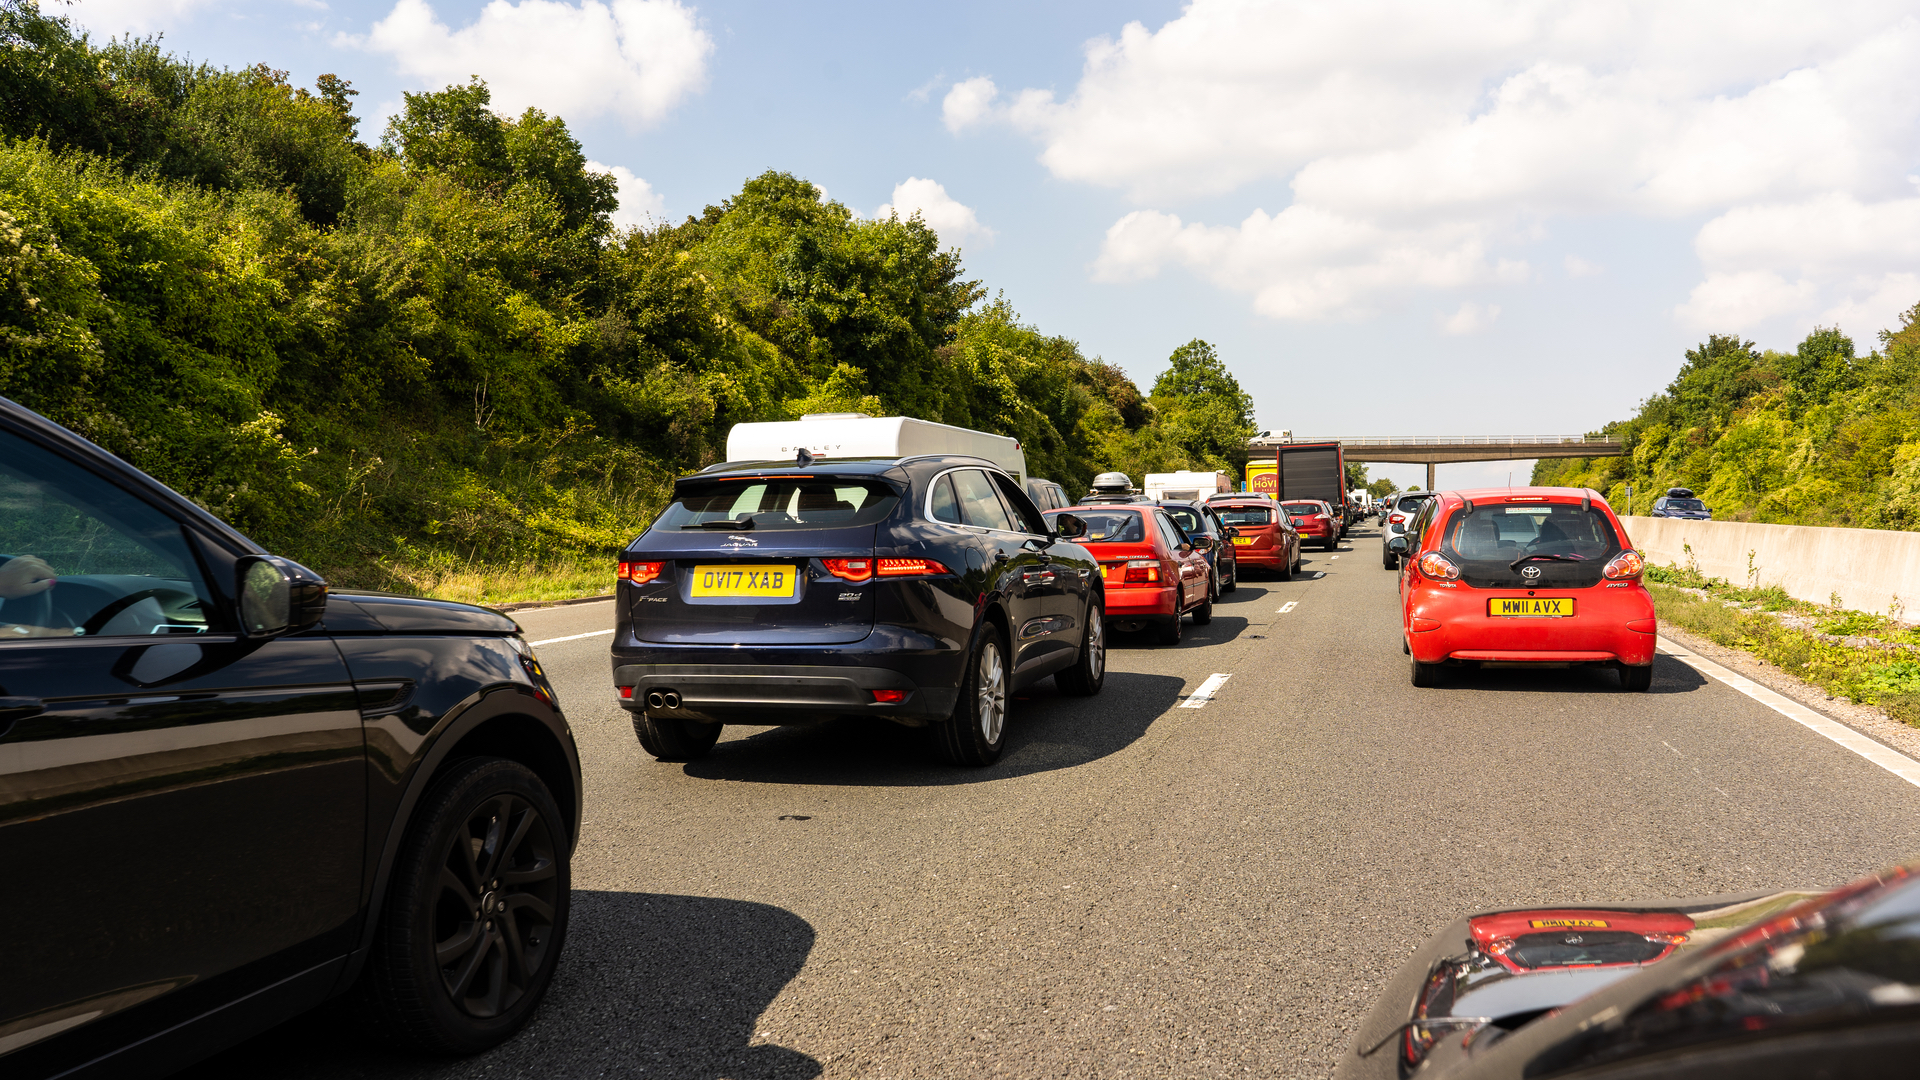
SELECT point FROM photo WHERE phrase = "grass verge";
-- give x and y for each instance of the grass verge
(557, 578)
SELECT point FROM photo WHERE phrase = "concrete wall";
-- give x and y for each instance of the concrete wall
(1870, 569)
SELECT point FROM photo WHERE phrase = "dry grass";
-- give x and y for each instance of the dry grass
(562, 579)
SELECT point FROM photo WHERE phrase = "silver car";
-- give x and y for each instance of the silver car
(1394, 520)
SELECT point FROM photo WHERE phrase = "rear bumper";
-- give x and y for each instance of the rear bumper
(1610, 626)
(1136, 603)
(1273, 558)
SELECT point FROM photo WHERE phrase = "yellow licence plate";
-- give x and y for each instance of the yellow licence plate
(744, 580)
(1242, 541)
(1531, 607)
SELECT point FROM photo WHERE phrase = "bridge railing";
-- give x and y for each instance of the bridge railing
(1450, 440)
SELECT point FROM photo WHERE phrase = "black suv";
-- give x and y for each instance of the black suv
(923, 590)
(1680, 503)
(228, 794)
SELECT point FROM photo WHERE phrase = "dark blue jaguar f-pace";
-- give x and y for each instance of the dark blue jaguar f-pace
(923, 590)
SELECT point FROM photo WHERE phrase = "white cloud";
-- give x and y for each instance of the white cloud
(635, 59)
(638, 201)
(954, 221)
(1444, 135)
(110, 18)
(1578, 267)
(1470, 319)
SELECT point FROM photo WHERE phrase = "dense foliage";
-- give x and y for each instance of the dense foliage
(396, 360)
(1818, 436)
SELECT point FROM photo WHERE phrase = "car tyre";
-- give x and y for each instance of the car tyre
(1089, 670)
(1636, 679)
(1298, 556)
(1233, 580)
(671, 739)
(1333, 543)
(483, 877)
(1168, 632)
(977, 730)
(1425, 675)
(1286, 572)
(1203, 614)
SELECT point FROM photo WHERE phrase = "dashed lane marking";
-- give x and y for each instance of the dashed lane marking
(570, 637)
(1889, 759)
(1288, 606)
(1330, 558)
(1205, 691)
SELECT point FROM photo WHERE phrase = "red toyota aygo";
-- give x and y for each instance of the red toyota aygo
(1524, 576)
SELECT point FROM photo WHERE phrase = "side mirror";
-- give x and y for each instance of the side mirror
(1069, 527)
(1397, 545)
(278, 596)
(1232, 532)
(1204, 543)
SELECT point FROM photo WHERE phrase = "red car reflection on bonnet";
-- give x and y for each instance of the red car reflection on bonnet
(1578, 937)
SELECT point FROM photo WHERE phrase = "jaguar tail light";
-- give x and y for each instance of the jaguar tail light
(1626, 566)
(640, 572)
(849, 569)
(1438, 567)
(908, 568)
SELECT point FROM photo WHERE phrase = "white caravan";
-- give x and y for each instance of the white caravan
(1185, 486)
(857, 435)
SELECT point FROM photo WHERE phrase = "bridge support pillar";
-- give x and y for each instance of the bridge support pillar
(1429, 476)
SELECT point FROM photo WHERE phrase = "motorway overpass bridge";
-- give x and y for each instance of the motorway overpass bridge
(1431, 450)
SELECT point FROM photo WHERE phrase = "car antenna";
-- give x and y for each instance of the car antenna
(803, 459)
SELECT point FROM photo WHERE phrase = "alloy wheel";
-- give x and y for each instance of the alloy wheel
(1097, 644)
(990, 684)
(493, 915)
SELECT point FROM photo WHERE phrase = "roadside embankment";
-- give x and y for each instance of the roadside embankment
(1860, 569)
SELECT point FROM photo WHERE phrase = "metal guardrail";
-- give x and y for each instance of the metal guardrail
(1450, 440)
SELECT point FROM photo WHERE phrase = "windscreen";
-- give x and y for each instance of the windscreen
(1583, 949)
(1246, 515)
(781, 503)
(1112, 527)
(1497, 546)
(1685, 504)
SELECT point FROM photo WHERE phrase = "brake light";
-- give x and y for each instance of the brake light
(1626, 566)
(1667, 939)
(908, 568)
(1438, 566)
(625, 691)
(849, 569)
(1396, 519)
(888, 697)
(640, 572)
(1142, 572)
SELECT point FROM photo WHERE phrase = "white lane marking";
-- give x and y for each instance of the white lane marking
(569, 637)
(1893, 761)
(1204, 693)
(1330, 558)
(1288, 606)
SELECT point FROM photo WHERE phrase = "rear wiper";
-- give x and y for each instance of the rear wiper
(1515, 564)
(731, 526)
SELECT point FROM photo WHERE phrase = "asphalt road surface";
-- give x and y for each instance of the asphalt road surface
(1138, 888)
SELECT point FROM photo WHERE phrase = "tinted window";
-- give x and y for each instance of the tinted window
(800, 503)
(1495, 544)
(1412, 504)
(78, 552)
(1685, 504)
(1246, 515)
(1303, 509)
(979, 505)
(1170, 531)
(1026, 516)
(1582, 949)
(945, 506)
(1113, 526)
(1189, 520)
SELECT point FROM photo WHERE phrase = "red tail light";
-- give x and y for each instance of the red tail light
(1142, 572)
(909, 568)
(640, 572)
(1396, 519)
(888, 697)
(849, 569)
(625, 691)
(1438, 566)
(1626, 566)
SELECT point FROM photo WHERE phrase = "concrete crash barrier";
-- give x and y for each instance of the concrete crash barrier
(1869, 569)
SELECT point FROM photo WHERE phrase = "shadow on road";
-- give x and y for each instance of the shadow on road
(650, 985)
(1670, 676)
(1045, 731)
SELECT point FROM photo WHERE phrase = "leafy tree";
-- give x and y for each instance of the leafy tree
(1204, 415)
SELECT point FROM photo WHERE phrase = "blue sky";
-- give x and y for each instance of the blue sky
(1391, 217)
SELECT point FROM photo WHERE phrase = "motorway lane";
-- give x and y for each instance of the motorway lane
(1136, 889)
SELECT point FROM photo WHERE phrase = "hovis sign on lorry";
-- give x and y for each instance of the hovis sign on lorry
(856, 435)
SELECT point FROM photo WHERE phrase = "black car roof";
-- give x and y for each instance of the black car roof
(839, 466)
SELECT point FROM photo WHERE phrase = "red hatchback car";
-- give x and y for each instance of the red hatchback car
(1314, 519)
(1153, 572)
(1524, 576)
(1261, 535)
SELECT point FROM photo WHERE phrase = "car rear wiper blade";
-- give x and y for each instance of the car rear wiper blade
(1515, 564)
(731, 526)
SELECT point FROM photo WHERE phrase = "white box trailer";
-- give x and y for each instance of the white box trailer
(1185, 486)
(857, 435)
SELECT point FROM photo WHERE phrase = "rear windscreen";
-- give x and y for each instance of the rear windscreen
(1583, 949)
(1499, 546)
(1303, 509)
(1412, 505)
(1112, 526)
(797, 503)
(1188, 520)
(1246, 515)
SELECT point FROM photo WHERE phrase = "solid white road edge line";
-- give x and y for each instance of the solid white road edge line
(1889, 759)
(1286, 607)
(569, 637)
(1204, 693)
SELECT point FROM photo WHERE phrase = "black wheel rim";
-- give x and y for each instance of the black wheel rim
(493, 915)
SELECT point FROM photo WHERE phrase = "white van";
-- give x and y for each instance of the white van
(857, 435)
(1185, 486)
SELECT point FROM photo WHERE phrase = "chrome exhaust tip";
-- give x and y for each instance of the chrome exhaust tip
(655, 700)
(673, 699)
